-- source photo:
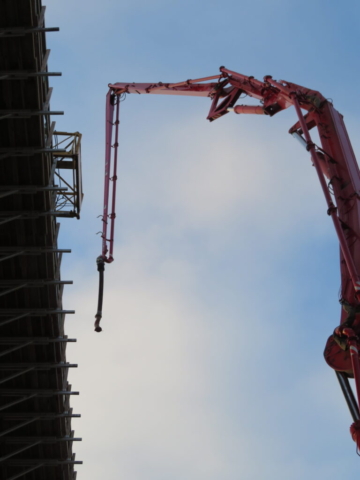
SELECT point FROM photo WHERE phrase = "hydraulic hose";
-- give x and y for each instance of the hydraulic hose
(101, 267)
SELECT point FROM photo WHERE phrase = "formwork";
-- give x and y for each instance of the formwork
(40, 182)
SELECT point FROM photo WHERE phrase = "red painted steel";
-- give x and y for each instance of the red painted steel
(108, 137)
(249, 109)
(332, 209)
(183, 88)
(335, 158)
(334, 161)
(111, 154)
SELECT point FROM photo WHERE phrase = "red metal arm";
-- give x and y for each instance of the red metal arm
(334, 161)
(108, 219)
(111, 153)
(195, 88)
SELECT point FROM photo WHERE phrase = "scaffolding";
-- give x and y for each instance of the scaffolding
(40, 181)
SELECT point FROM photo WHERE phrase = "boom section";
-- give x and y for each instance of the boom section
(334, 160)
(335, 165)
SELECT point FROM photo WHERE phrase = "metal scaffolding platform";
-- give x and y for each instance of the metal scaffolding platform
(40, 180)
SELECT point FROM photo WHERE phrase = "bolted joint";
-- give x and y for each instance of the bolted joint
(331, 209)
(340, 339)
(100, 262)
(309, 146)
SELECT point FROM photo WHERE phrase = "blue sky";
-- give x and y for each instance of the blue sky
(225, 282)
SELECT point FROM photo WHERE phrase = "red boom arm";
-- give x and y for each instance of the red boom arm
(335, 164)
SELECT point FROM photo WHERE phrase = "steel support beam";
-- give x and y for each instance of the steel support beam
(24, 472)
(36, 366)
(9, 290)
(10, 392)
(23, 74)
(14, 114)
(7, 257)
(21, 31)
(34, 282)
(12, 440)
(13, 319)
(12, 454)
(33, 215)
(10, 219)
(19, 400)
(30, 189)
(13, 349)
(34, 311)
(18, 425)
(30, 284)
(9, 192)
(26, 151)
(17, 374)
(34, 340)
(38, 415)
(53, 462)
(34, 250)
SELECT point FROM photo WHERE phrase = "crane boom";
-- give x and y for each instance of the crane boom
(336, 167)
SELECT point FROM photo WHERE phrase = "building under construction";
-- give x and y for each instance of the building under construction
(40, 181)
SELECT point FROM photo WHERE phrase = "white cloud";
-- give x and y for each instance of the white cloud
(204, 176)
(159, 386)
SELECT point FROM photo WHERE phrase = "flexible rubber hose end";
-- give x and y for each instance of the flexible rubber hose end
(101, 267)
(97, 323)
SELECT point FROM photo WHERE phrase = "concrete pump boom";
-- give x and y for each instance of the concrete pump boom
(336, 167)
